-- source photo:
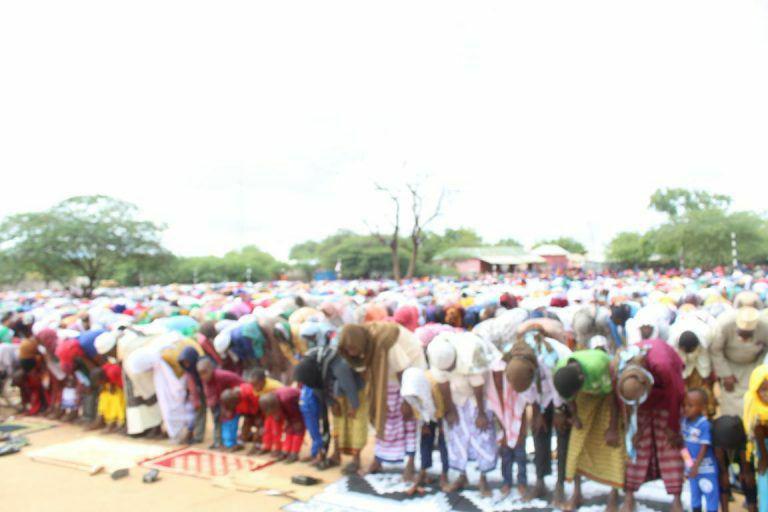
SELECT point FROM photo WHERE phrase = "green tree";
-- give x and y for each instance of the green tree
(233, 266)
(702, 238)
(675, 202)
(566, 242)
(89, 236)
(509, 242)
(435, 243)
(629, 249)
(305, 251)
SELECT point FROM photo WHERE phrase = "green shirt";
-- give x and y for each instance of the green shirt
(596, 366)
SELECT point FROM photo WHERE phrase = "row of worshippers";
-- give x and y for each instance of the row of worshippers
(617, 419)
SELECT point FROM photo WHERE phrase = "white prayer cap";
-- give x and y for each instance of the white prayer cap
(441, 353)
(105, 342)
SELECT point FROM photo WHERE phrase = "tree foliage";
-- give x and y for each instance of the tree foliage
(88, 236)
(676, 202)
(696, 234)
(630, 249)
(567, 243)
(364, 255)
(509, 242)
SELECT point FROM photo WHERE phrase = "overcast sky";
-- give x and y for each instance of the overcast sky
(269, 123)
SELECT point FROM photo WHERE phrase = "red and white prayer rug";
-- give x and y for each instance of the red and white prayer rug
(205, 463)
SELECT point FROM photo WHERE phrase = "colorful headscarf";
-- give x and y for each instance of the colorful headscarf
(408, 317)
(190, 356)
(755, 410)
(372, 341)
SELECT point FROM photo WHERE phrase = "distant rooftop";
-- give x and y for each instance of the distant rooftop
(550, 250)
(497, 255)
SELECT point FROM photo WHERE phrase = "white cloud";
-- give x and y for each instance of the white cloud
(268, 123)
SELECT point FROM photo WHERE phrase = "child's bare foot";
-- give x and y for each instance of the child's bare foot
(482, 485)
(558, 498)
(538, 491)
(416, 489)
(410, 471)
(443, 480)
(456, 486)
(505, 490)
(574, 503)
(522, 490)
(613, 501)
(629, 503)
(375, 467)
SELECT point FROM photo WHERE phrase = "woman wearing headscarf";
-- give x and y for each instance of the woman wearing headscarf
(408, 317)
(32, 366)
(454, 316)
(381, 352)
(584, 380)
(376, 313)
(756, 426)
(195, 392)
(655, 452)
(48, 339)
(461, 364)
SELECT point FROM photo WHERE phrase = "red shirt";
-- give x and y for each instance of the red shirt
(249, 402)
(220, 381)
(289, 403)
(114, 374)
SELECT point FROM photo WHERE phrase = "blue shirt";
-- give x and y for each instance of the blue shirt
(698, 435)
(87, 341)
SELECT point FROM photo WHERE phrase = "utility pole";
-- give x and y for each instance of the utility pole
(194, 275)
(248, 272)
(734, 251)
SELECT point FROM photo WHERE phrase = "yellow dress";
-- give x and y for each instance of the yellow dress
(112, 405)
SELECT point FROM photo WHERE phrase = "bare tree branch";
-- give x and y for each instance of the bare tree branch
(394, 240)
(417, 230)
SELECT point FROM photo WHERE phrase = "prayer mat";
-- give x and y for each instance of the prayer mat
(91, 453)
(386, 490)
(17, 427)
(205, 463)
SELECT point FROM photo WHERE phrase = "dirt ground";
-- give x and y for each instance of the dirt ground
(29, 485)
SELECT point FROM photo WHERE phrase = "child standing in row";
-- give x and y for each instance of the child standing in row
(284, 440)
(697, 433)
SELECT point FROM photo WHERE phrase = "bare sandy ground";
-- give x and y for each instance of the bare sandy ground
(26, 485)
